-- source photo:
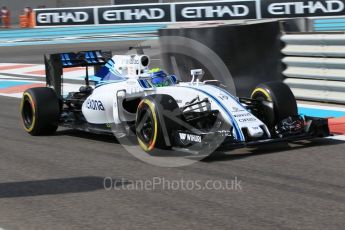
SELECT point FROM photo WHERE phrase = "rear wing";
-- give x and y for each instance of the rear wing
(56, 63)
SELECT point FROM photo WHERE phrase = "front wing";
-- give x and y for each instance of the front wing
(314, 128)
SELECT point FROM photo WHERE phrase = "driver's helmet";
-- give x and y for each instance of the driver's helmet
(159, 78)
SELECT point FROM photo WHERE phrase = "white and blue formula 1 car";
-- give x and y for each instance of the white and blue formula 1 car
(126, 97)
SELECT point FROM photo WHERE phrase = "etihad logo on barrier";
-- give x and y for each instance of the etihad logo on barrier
(133, 14)
(309, 7)
(63, 17)
(215, 11)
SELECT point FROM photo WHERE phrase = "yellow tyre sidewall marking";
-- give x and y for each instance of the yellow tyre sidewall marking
(151, 145)
(264, 91)
(33, 112)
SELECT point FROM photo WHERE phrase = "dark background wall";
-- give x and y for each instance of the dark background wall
(251, 53)
(72, 3)
(152, 1)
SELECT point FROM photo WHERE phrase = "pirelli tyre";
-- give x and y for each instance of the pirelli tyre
(157, 117)
(40, 111)
(281, 102)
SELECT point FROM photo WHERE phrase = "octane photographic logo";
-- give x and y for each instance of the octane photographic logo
(175, 47)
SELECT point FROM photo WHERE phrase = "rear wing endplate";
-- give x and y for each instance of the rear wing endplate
(56, 63)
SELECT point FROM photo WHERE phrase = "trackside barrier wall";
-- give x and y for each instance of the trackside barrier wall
(189, 12)
(315, 66)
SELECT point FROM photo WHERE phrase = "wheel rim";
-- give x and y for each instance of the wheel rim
(268, 117)
(260, 96)
(27, 113)
(145, 130)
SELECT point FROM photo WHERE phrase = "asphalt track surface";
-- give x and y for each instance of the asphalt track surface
(56, 182)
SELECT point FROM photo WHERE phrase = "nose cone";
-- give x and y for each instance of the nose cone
(255, 132)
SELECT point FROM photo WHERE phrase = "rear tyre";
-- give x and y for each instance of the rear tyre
(40, 111)
(281, 102)
(156, 119)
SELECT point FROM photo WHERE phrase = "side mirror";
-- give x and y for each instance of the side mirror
(197, 74)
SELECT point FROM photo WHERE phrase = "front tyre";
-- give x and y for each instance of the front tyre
(281, 102)
(40, 111)
(157, 117)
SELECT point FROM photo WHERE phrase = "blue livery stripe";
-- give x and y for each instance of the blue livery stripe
(141, 84)
(238, 131)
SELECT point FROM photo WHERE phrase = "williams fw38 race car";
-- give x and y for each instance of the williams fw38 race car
(125, 98)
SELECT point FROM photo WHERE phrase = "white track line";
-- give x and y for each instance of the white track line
(29, 81)
(339, 138)
(23, 70)
(15, 95)
(13, 64)
(17, 78)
